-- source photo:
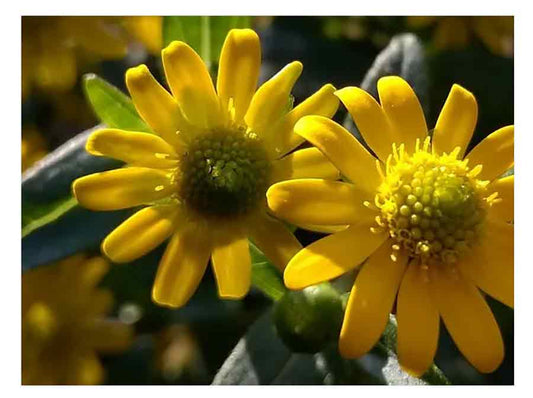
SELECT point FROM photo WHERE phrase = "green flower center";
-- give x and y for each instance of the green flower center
(224, 173)
(432, 206)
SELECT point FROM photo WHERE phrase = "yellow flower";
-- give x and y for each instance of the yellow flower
(51, 48)
(496, 32)
(433, 224)
(32, 147)
(64, 325)
(205, 174)
(148, 30)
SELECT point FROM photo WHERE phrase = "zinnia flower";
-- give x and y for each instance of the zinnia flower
(205, 174)
(434, 225)
(64, 325)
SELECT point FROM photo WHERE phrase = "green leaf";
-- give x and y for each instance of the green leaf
(112, 106)
(37, 215)
(204, 34)
(266, 276)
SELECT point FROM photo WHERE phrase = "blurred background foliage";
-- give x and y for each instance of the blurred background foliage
(189, 346)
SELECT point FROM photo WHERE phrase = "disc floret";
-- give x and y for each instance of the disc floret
(432, 206)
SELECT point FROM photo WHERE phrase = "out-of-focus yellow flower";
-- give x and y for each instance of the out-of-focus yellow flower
(205, 174)
(496, 32)
(53, 46)
(64, 325)
(33, 147)
(147, 30)
(434, 224)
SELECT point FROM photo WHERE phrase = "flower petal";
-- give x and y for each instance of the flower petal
(456, 123)
(490, 265)
(371, 301)
(467, 317)
(332, 256)
(232, 264)
(503, 210)
(271, 100)
(495, 153)
(317, 201)
(122, 188)
(191, 85)
(304, 163)
(140, 149)
(155, 105)
(141, 233)
(369, 118)
(342, 149)
(182, 267)
(321, 103)
(274, 239)
(86, 369)
(238, 70)
(403, 110)
(418, 321)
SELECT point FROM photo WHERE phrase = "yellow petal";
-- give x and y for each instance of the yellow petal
(342, 149)
(122, 188)
(403, 110)
(155, 105)
(191, 85)
(274, 239)
(316, 201)
(467, 317)
(456, 123)
(271, 101)
(490, 265)
(182, 267)
(369, 118)
(332, 256)
(86, 370)
(96, 36)
(504, 209)
(140, 149)
(370, 302)
(55, 68)
(322, 103)
(418, 321)
(141, 233)
(305, 163)
(495, 153)
(231, 264)
(238, 70)
(325, 229)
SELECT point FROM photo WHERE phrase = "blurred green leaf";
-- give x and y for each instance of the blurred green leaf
(265, 276)
(204, 34)
(112, 106)
(36, 215)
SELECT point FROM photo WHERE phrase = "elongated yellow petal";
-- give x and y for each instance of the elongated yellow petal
(418, 321)
(232, 264)
(495, 153)
(139, 149)
(155, 105)
(321, 103)
(122, 188)
(141, 233)
(371, 301)
(271, 100)
(191, 85)
(182, 267)
(332, 256)
(238, 70)
(369, 118)
(274, 239)
(467, 317)
(317, 201)
(503, 210)
(342, 149)
(403, 110)
(490, 265)
(456, 123)
(305, 163)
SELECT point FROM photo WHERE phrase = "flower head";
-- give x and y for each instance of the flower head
(204, 174)
(64, 325)
(434, 225)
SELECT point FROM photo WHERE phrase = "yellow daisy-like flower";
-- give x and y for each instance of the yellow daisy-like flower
(64, 325)
(434, 225)
(205, 174)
